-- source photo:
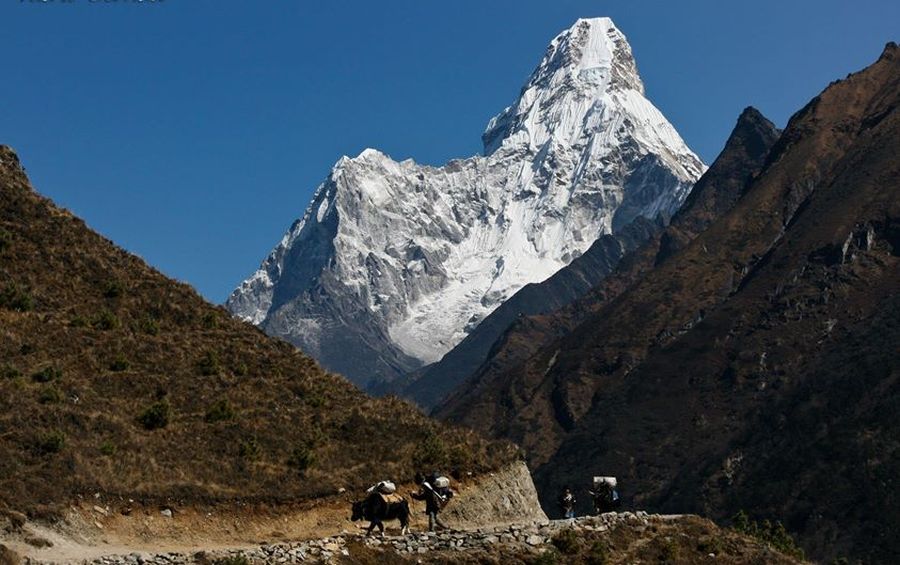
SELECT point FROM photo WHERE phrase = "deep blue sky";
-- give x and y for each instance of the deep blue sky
(193, 132)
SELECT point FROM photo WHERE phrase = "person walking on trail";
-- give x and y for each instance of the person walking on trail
(436, 493)
(567, 503)
(605, 495)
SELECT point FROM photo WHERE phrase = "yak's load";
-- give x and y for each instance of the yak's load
(387, 490)
(383, 487)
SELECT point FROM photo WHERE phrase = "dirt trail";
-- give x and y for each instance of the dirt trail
(99, 527)
(613, 538)
(520, 537)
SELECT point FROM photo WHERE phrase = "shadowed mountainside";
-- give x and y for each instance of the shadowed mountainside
(488, 404)
(754, 367)
(552, 306)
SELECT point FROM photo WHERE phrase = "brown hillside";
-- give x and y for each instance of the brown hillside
(757, 367)
(114, 378)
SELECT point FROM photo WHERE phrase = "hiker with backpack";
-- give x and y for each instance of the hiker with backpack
(567, 503)
(435, 491)
(605, 495)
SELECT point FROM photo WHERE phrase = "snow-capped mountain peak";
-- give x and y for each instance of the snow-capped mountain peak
(592, 53)
(394, 262)
(580, 66)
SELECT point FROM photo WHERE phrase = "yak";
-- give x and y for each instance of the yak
(376, 509)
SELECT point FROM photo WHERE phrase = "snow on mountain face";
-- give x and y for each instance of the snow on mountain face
(394, 262)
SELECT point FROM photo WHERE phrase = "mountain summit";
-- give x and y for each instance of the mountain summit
(393, 263)
(579, 66)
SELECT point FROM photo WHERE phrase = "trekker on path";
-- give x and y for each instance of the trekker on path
(436, 493)
(567, 503)
(605, 495)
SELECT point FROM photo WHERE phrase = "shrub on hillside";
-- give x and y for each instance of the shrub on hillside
(156, 416)
(47, 374)
(598, 554)
(220, 411)
(119, 364)
(460, 456)
(566, 541)
(15, 298)
(9, 372)
(210, 321)
(105, 321)
(113, 289)
(50, 443)
(108, 448)
(548, 557)
(430, 452)
(209, 364)
(713, 545)
(5, 240)
(302, 458)
(78, 322)
(670, 552)
(149, 326)
(249, 449)
(771, 533)
(314, 400)
(50, 395)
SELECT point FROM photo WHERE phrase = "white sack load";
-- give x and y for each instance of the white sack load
(384, 487)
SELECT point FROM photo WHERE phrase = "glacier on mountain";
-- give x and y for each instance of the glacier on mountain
(394, 262)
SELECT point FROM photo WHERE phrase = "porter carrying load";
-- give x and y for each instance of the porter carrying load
(606, 497)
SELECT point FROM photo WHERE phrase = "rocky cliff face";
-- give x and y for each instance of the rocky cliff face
(394, 263)
(507, 496)
(755, 366)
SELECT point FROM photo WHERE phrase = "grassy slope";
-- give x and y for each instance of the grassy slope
(112, 337)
